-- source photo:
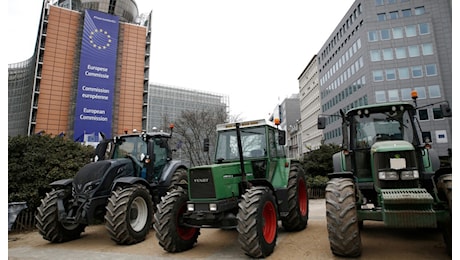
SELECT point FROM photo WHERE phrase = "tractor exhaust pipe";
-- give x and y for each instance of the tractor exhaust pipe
(244, 180)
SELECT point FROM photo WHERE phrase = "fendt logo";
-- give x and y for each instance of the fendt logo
(201, 180)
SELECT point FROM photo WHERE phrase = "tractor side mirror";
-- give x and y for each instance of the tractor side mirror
(321, 122)
(446, 110)
(281, 137)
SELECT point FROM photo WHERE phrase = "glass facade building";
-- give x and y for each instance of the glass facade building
(43, 92)
(168, 102)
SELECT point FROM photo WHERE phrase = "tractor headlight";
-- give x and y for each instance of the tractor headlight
(409, 175)
(190, 207)
(213, 207)
(388, 175)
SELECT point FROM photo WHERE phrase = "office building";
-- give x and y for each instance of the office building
(382, 50)
(89, 72)
(310, 108)
(166, 103)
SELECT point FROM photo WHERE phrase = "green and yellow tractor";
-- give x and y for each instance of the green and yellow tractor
(384, 172)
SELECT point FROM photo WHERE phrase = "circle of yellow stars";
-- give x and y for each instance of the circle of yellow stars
(98, 46)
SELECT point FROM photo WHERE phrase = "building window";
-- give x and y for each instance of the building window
(387, 54)
(375, 55)
(427, 49)
(377, 75)
(423, 114)
(390, 74)
(419, 10)
(373, 36)
(401, 53)
(391, 1)
(406, 94)
(403, 73)
(381, 17)
(431, 70)
(434, 91)
(414, 51)
(394, 15)
(378, 2)
(406, 12)
(417, 72)
(380, 97)
(393, 95)
(411, 31)
(385, 34)
(420, 92)
(397, 32)
(437, 113)
(424, 28)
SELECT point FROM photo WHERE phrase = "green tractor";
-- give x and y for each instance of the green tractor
(250, 187)
(385, 173)
(120, 188)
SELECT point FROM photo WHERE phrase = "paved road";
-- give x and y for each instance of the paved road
(311, 243)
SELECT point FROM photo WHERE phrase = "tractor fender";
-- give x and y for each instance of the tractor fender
(129, 181)
(281, 195)
(61, 183)
(340, 175)
(169, 170)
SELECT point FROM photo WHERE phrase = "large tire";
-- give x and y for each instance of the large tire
(179, 178)
(342, 218)
(297, 217)
(48, 223)
(129, 214)
(444, 186)
(257, 222)
(171, 235)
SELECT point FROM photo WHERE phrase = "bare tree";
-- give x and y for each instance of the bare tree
(190, 131)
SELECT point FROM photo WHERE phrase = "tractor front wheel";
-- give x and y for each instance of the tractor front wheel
(48, 223)
(171, 234)
(342, 218)
(257, 222)
(129, 214)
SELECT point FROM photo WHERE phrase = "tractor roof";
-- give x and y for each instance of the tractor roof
(243, 124)
(381, 106)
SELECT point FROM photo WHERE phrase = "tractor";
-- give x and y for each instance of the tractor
(385, 173)
(251, 186)
(121, 187)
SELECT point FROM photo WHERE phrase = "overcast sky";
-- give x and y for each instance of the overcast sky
(251, 50)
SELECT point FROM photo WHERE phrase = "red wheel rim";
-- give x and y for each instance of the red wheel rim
(302, 197)
(270, 222)
(185, 233)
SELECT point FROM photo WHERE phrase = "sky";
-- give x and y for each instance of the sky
(252, 51)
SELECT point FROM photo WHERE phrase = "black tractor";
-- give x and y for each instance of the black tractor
(127, 178)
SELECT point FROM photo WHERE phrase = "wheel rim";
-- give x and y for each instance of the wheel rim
(302, 197)
(138, 214)
(270, 222)
(185, 233)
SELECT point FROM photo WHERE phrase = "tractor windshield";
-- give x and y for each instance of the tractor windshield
(133, 145)
(253, 141)
(382, 126)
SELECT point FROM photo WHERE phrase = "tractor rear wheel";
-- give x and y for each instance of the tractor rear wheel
(171, 235)
(342, 218)
(297, 217)
(48, 223)
(444, 185)
(129, 214)
(257, 222)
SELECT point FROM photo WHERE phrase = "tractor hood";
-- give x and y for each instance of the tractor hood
(392, 145)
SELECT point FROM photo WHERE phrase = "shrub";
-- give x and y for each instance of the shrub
(36, 161)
